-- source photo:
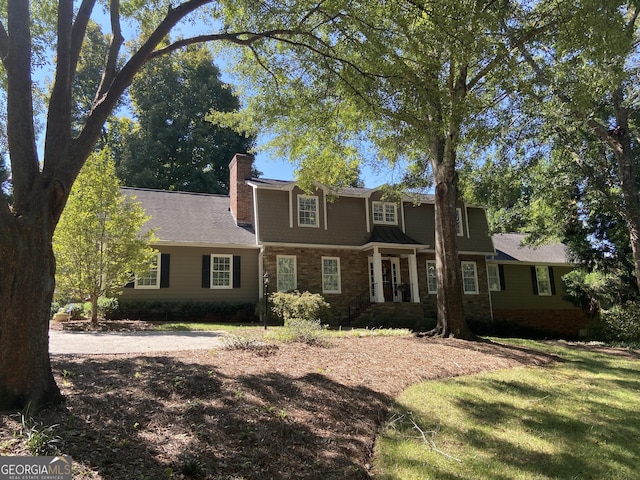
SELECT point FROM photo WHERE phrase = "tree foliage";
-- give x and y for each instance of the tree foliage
(99, 242)
(171, 146)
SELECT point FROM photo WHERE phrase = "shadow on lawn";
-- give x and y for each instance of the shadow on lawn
(154, 417)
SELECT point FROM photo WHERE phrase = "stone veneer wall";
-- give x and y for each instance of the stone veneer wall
(478, 305)
(353, 273)
(354, 270)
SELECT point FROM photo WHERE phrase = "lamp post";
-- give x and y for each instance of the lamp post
(265, 280)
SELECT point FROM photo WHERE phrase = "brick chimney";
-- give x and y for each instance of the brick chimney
(241, 194)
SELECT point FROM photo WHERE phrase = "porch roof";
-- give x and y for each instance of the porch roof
(389, 234)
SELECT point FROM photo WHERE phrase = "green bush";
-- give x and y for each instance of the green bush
(75, 310)
(106, 306)
(299, 305)
(620, 324)
(302, 314)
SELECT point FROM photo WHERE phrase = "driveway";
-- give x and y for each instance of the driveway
(86, 343)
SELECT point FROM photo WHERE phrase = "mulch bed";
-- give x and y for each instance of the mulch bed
(280, 412)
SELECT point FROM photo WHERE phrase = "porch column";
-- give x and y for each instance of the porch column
(413, 278)
(377, 276)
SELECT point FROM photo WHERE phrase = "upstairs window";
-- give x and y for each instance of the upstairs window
(385, 213)
(307, 211)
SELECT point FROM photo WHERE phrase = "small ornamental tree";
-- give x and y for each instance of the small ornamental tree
(98, 242)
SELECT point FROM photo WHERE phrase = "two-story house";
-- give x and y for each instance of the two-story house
(348, 245)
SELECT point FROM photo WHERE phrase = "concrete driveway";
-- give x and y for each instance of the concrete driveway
(85, 343)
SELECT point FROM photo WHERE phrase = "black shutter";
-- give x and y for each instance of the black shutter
(131, 284)
(236, 271)
(552, 281)
(206, 271)
(503, 285)
(165, 262)
(534, 280)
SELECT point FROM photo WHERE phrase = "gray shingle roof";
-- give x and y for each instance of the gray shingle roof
(191, 218)
(509, 248)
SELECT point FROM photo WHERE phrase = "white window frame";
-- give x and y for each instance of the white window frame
(475, 290)
(211, 272)
(432, 278)
(332, 275)
(546, 291)
(493, 277)
(459, 224)
(386, 210)
(155, 285)
(281, 286)
(314, 198)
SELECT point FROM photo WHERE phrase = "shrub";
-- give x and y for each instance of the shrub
(299, 305)
(620, 324)
(182, 311)
(75, 310)
(302, 314)
(106, 306)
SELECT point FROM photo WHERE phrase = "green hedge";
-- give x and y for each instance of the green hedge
(184, 311)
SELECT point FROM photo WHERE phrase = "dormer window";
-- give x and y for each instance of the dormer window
(385, 213)
(307, 211)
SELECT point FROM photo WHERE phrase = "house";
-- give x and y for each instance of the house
(527, 289)
(353, 246)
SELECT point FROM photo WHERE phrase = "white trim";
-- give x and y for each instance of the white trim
(368, 214)
(466, 220)
(459, 225)
(221, 287)
(324, 210)
(337, 259)
(256, 223)
(291, 209)
(475, 278)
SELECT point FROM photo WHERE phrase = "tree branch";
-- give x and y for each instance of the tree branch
(59, 112)
(20, 131)
(79, 29)
(4, 43)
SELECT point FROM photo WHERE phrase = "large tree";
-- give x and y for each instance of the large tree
(171, 145)
(40, 187)
(410, 77)
(99, 241)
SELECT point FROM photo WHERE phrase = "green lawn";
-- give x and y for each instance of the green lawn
(576, 419)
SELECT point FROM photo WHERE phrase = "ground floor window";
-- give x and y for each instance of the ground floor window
(330, 275)
(469, 277)
(221, 271)
(151, 279)
(286, 273)
(432, 279)
(493, 274)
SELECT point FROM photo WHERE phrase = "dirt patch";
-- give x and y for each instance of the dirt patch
(295, 411)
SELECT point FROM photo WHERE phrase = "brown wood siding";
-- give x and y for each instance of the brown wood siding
(185, 280)
(346, 220)
(479, 239)
(519, 293)
(420, 222)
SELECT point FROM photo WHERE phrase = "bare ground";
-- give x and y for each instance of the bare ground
(285, 412)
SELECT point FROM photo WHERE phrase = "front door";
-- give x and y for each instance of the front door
(390, 279)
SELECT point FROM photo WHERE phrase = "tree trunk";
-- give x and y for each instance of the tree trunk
(628, 177)
(26, 290)
(451, 322)
(94, 309)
